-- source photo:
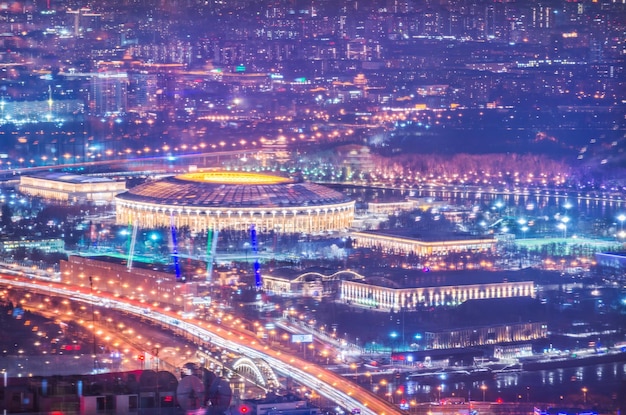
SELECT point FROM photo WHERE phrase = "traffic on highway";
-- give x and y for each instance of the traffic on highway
(326, 383)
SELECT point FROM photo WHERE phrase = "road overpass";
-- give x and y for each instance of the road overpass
(326, 383)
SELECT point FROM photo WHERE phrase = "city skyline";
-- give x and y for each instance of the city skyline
(366, 207)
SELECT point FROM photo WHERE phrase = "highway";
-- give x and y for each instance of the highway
(326, 383)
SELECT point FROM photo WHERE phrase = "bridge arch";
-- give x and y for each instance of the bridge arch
(340, 275)
(258, 370)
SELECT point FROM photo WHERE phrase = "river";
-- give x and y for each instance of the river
(533, 202)
(603, 383)
(558, 386)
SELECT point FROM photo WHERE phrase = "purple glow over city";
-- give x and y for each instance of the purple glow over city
(313, 207)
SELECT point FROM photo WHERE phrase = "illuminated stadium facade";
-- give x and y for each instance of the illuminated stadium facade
(235, 200)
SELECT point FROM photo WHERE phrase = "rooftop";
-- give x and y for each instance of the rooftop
(401, 278)
(226, 190)
(71, 178)
(412, 234)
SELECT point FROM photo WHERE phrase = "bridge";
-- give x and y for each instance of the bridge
(326, 383)
(258, 371)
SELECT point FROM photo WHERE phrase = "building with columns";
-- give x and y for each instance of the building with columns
(395, 292)
(386, 298)
(405, 245)
(235, 200)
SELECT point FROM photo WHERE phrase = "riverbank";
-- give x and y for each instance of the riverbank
(556, 362)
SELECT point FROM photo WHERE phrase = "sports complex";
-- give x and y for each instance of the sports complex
(235, 200)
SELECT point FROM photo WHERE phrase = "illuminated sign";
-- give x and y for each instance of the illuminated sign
(302, 338)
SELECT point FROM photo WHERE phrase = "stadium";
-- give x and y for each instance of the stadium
(235, 200)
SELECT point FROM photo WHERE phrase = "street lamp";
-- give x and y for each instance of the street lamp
(584, 389)
(400, 393)
(563, 227)
(93, 328)
(484, 389)
(524, 230)
(393, 336)
(157, 397)
(621, 218)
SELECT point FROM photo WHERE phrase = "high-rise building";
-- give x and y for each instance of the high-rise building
(109, 93)
(142, 92)
(542, 16)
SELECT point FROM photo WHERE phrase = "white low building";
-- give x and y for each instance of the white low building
(71, 188)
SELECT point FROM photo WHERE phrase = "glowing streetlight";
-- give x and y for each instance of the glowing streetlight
(484, 389)
(394, 336)
(563, 225)
(524, 230)
(523, 226)
(621, 218)
(585, 390)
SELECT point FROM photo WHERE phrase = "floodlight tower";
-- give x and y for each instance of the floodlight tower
(257, 267)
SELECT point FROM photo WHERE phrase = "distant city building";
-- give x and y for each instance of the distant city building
(277, 405)
(109, 94)
(45, 245)
(611, 262)
(439, 357)
(133, 392)
(448, 290)
(564, 411)
(514, 350)
(387, 241)
(479, 336)
(290, 282)
(235, 200)
(142, 95)
(145, 282)
(71, 188)
(391, 293)
(407, 205)
(19, 112)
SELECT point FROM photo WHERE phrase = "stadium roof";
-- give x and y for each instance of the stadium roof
(232, 190)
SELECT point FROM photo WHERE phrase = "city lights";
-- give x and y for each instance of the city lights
(247, 188)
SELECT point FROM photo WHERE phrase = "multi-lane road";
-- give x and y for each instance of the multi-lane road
(326, 383)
